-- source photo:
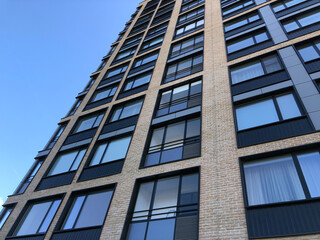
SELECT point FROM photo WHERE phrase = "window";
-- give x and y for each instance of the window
(113, 48)
(55, 137)
(186, 45)
(125, 53)
(281, 178)
(37, 218)
(184, 68)
(88, 122)
(137, 81)
(237, 6)
(249, 40)
(190, 15)
(145, 59)
(153, 42)
(191, 5)
(174, 142)
(4, 214)
(88, 210)
(91, 82)
(190, 27)
(166, 208)
(301, 20)
(144, 19)
(104, 93)
(255, 68)
(138, 28)
(242, 21)
(115, 71)
(180, 98)
(284, 4)
(127, 110)
(157, 29)
(75, 107)
(67, 162)
(310, 51)
(132, 41)
(103, 63)
(266, 111)
(27, 180)
(113, 150)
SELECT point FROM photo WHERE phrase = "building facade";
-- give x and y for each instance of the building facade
(202, 122)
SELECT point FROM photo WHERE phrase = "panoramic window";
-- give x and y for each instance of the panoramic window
(184, 68)
(88, 210)
(310, 51)
(249, 40)
(113, 150)
(88, 122)
(104, 93)
(190, 27)
(255, 68)
(67, 162)
(137, 81)
(241, 21)
(174, 142)
(269, 110)
(301, 20)
(276, 179)
(4, 214)
(190, 4)
(284, 4)
(180, 98)
(186, 45)
(37, 218)
(127, 110)
(236, 7)
(165, 207)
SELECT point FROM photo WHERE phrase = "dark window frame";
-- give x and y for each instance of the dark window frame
(183, 41)
(133, 79)
(186, 5)
(96, 114)
(241, 18)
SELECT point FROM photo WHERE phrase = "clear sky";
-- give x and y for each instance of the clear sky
(48, 50)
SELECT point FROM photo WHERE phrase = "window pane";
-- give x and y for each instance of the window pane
(246, 72)
(94, 210)
(73, 214)
(98, 154)
(180, 92)
(290, 3)
(63, 163)
(261, 37)
(271, 63)
(116, 115)
(272, 180)
(143, 201)
(195, 88)
(161, 229)
(137, 231)
(189, 189)
(157, 137)
(142, 80)
(78, 160)
(256, 114)
(32, 219)
(98, 121)
(240, 44)
(49, 217)
(278, 7)
(309, 18)
(101, 95)
(190, 26)
(197, 60)
(310, 165)
(165, 97)
(193, 128)
(175, 132)
(288, 106)
(234, 25)
(185, 64)
(308, 53)
(117, 149)
(290, 26)
(131, 109)
(85, 124)
(166, 196)
(5, 216)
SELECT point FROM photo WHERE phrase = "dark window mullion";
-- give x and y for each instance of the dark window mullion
(301, 176)
(74, 160)
(275, 102)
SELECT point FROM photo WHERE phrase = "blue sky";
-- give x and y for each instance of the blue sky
(48, 49)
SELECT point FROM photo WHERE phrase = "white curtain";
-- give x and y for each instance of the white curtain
(272, 180)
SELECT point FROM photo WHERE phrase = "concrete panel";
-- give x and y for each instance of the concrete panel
(315, 75)
(306, 89)
(258, 2)
(315, 118)
(273, 25)
(312, 103)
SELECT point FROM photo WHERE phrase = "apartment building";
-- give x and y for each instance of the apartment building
(202, 122)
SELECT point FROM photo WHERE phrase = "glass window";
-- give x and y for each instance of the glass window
(125, 53)
(145, 59)
(239, 22)
(4, 214)
(186, 45)
(116, 71)
(190, 27)
(302, 20)
(174, 142)
(272, 180)
(281, 5)
(37, 218)
(153, 42)
(88, 210)
(55, 137)
(127, 110)
(236, 6)
(255, 68)
(66, 162)
(104, 93)
(115, 149)
(190, 15)
(186, 7)
(263, 112)
(310, 51)
(88, 122)
(161, 207)
(137, 81)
